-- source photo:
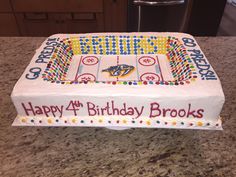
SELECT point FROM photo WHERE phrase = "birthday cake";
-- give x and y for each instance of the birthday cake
(119, 80)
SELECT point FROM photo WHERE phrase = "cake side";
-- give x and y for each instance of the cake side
(124, 111)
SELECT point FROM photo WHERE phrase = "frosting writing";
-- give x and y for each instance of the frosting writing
(204, 68)
(110, 108)
(157, 111)
(118, 45)
(43, 57)
(47, 51)
(202, 64)
(42, 110)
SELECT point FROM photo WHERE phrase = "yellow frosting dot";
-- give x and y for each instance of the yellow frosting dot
(49, 121)
(74, 120)
(124, 121)
(140, 83)
(174, 123)
(23, 120)
(148, 123)
(100, 120)
(200, 124)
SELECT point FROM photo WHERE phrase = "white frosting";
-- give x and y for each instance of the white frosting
(193, 103)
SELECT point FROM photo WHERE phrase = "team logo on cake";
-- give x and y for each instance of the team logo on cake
(121, 70)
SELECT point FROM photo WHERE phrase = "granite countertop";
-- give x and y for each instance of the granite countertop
(35, 151)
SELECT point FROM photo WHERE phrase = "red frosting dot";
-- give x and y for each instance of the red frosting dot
(187, 82)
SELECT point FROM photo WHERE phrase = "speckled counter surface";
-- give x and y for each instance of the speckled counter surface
(34, 151)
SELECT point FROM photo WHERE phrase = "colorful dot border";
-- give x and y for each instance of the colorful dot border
(182, 68)
(123, 122)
